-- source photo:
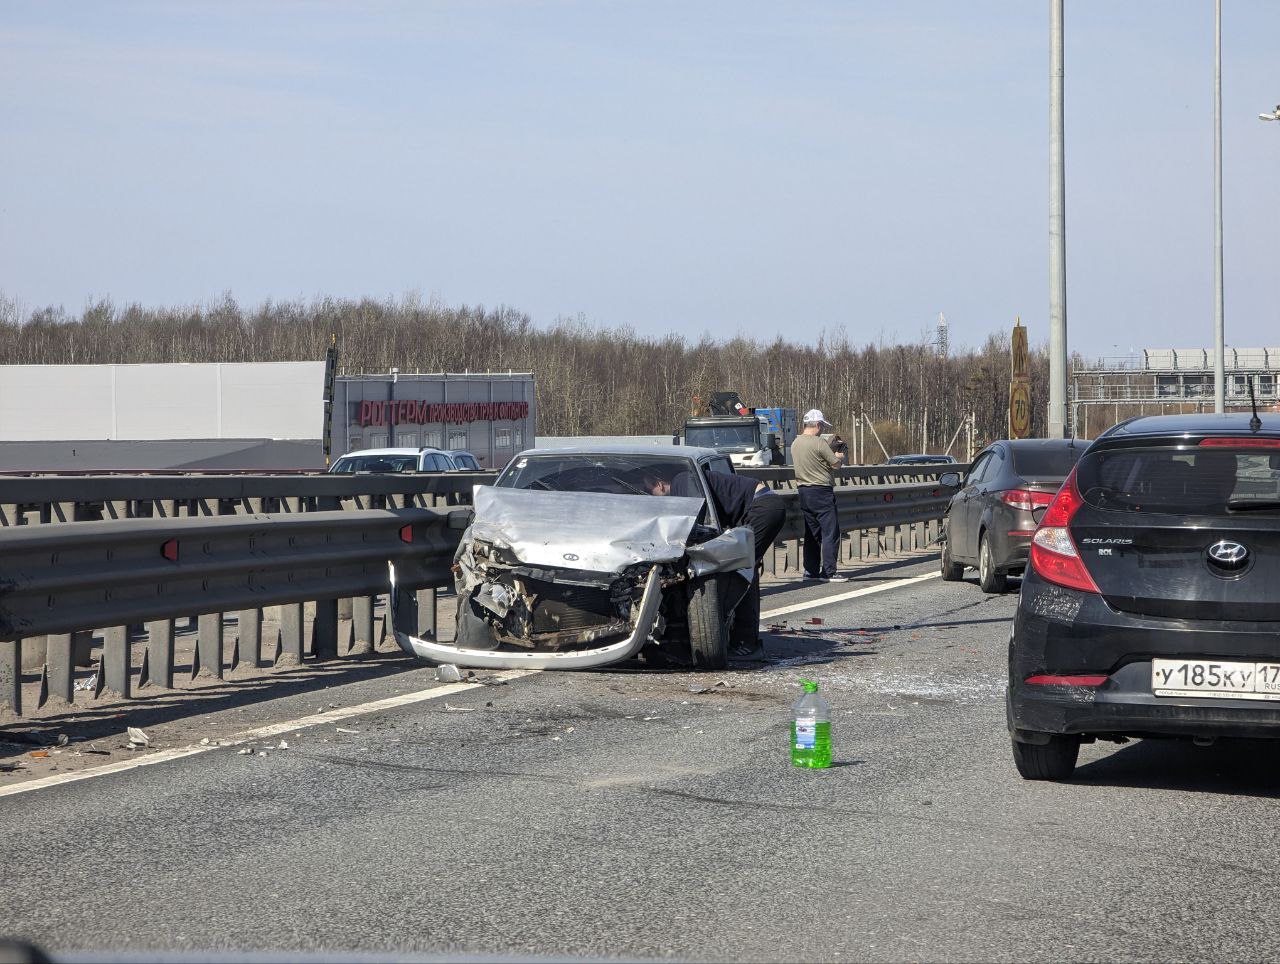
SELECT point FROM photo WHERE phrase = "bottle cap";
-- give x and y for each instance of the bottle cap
(809, 685)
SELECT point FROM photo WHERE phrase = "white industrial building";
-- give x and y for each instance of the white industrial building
(254, 416)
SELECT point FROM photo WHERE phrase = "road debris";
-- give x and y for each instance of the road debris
(137, 739)
(87, 684)
(448, 673)
(449, 708)
(245, 751)
(815, 621)
(39, 754)
(339, 729)
(282, 745)
(204, 741)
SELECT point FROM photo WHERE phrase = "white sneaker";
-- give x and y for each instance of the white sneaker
(835, 577)
(813, 576)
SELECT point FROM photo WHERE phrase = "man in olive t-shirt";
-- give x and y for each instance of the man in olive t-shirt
(814, 463)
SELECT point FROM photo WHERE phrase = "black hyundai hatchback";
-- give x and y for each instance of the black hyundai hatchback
(1151, 605)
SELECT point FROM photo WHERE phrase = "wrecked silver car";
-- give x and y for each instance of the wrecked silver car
(580, 558)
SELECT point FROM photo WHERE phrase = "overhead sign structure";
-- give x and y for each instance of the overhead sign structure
(1019, 384)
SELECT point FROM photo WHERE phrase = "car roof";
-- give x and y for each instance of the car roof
(1043, 443)
(1203, 423)
(677, 451)
(392, 452)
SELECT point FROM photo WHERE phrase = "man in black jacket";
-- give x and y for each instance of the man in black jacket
(740, 501)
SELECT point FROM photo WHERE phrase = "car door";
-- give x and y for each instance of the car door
(962, 519)
(987, 503)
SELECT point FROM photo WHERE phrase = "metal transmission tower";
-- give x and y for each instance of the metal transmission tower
(943, 341)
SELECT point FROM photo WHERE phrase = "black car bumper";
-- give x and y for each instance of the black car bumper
(1061, 632)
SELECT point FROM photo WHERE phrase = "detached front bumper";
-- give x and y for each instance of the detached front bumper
(512, 659)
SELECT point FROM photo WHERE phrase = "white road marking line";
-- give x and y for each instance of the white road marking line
(261, 733)
(864, 591)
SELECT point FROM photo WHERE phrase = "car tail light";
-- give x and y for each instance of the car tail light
(1046, 679)
(1054, 555)
(1026, 499)
(1240, 443)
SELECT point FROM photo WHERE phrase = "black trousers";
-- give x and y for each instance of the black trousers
(821, 529)
(765, 516)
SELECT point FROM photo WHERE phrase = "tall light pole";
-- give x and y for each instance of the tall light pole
(1219, 336)
(1057, 234)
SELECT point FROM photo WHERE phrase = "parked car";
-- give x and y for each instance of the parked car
(464, 461)
(990, 519)
(1153, 595)
(921, 460)
(396, 460)
(570, 562)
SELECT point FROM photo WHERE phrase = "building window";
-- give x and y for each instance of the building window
(408, 440)
(457, 438)
(432, 438)
(518, 435)
(378, 441)
(502, 438)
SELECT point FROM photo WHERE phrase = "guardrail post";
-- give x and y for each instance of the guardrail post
(249, 637)
(427, 623)
(289, 651)
(61, 664)
(362, 631)
(209, 644)
(11, 675)
(160, 652)
(115, 660)
(324, 630)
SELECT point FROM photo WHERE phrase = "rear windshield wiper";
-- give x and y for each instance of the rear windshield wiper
(1253, 505)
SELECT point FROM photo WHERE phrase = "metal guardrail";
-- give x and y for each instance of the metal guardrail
(127, 558)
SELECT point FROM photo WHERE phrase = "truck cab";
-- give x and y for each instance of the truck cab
(750, 437)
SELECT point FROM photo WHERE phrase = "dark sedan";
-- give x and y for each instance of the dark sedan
(991, 518)
(1152, 605)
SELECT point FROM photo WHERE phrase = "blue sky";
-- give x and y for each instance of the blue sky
(763, 168)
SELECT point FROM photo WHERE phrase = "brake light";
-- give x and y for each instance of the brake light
(1240, 443)
(1026, 499)
(1054, 555)
(1046, 679)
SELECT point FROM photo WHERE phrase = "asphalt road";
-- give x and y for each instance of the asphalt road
(620, 814)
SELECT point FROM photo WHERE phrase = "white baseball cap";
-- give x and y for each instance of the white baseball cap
(814, 415)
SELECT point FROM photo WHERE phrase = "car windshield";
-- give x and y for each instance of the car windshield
(376, 463)
(614, 474)
(1213, 481)
(1045, 462)
(722, 436)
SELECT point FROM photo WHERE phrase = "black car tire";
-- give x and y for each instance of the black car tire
(1055, 760)
(989, 578)
(708, 634)
(951, 571)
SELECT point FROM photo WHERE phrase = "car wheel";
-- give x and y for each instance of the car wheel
(989, 580)
(708, 634)
(1055, 760)
(951, 571)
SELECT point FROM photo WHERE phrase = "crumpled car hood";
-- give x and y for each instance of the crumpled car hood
(595, 531)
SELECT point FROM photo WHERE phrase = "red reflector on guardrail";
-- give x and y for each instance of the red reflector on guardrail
(406, 533)
(170, 550)
(888, 496)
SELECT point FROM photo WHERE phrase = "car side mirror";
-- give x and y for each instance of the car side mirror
(950, 480)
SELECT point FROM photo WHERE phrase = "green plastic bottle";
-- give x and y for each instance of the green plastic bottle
(811, 729)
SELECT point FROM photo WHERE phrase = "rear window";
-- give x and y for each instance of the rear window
(1192, 481)
(375, 463)
(1045, 462)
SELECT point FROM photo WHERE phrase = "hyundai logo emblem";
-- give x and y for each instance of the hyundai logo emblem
(1228, 555)
(571, 557)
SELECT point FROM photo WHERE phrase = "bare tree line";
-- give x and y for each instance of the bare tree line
(590, 380)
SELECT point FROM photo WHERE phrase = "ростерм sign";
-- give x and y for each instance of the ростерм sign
(399, 411)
